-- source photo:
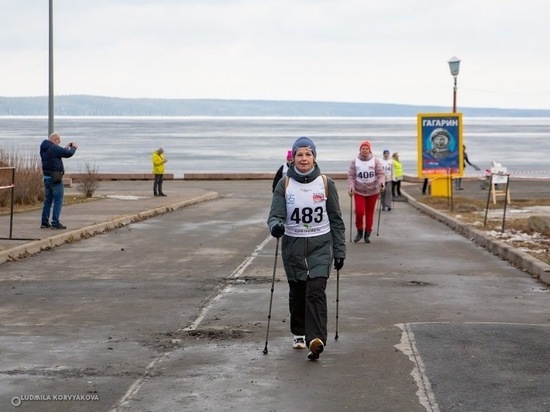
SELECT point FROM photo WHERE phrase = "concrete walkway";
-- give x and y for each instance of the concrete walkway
(427, 321)
(119, 203)
(519, 189)
(116, 204)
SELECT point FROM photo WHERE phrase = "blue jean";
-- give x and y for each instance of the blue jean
(53, 193)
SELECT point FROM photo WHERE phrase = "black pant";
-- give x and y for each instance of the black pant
(396, 188)
(424, 186)
(308, 308)
(157, 186)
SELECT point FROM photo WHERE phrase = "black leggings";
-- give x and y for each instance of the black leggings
(396, 188)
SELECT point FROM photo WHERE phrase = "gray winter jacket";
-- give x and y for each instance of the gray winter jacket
(309, 256)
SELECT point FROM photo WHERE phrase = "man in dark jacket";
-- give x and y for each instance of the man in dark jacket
(458, 181)
(51, 155)
(306, 210)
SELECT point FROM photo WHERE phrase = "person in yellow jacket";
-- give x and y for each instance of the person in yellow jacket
(397, 175)
(158, 170)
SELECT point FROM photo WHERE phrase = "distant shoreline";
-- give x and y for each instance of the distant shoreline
(98, 106)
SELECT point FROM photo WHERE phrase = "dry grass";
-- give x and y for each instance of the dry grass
(27, 179)
(517, 231)
(21, 173)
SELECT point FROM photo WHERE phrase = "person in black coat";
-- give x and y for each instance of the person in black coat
(458, 181)
(282, 170)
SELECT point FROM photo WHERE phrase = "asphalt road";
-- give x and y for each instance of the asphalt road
(170, 314)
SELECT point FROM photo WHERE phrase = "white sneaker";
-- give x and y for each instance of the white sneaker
(299, 342)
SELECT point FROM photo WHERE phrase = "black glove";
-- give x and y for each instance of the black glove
(338, 263)
(278, 230)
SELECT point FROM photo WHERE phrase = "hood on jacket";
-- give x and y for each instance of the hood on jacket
(45, 145)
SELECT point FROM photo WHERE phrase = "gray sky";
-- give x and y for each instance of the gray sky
(390, 51)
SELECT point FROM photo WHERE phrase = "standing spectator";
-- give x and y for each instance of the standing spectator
(387, 165)
(425, 185)
(305, 211)
(51, 155)
(282, 170)
(366, 179)
(397, 175)
(159, 160)
(458, 181)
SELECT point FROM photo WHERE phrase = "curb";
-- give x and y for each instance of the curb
(23, 251)
(515, 257)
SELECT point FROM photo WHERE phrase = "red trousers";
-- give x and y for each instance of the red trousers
(364, 211)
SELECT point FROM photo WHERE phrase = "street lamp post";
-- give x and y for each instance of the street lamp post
(50, 72)
(454, 65)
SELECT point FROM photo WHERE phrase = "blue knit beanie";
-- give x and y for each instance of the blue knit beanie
(304, 142)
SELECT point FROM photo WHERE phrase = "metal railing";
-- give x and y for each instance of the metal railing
(11, 187)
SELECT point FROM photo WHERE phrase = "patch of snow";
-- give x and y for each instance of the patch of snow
(516, 236)
(126, 197)
(528, 211)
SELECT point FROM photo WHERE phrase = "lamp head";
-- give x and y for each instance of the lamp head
(454, 65)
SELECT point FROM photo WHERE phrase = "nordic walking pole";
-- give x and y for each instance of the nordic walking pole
(271, 299)
(379, 213)
(337, 300)
(350, 216)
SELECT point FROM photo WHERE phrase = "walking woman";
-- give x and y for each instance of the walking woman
(366, 178)
(387, 164)
(305, 211)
